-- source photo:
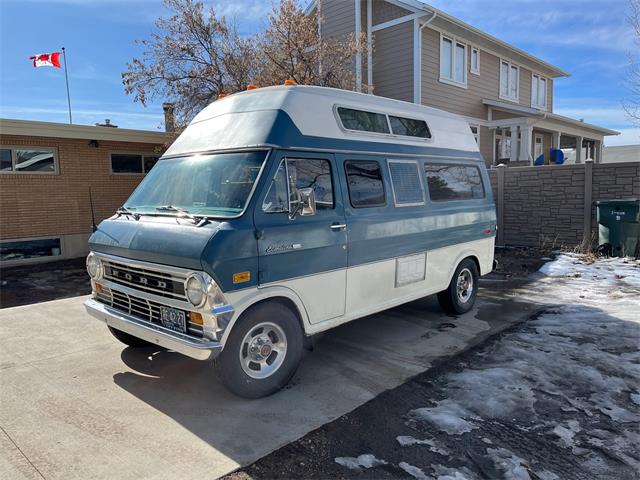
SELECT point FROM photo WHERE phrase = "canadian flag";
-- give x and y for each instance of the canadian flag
(46, 60)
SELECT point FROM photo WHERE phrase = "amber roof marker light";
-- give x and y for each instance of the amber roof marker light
(289, 82)
(251, 86)
(222, 95)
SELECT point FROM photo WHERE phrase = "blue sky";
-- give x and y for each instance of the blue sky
(588, 38)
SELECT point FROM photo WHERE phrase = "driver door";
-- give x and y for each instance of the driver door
(305, 253)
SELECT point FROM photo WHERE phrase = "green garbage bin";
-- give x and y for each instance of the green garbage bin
(619, 226)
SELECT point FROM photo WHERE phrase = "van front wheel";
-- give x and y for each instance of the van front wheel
(262, 352)
(461, 294)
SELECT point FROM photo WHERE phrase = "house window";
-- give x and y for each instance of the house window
(475, 60)
(363, 121)
(406, 183)
(39, 160)
(475, 129)
(453, 61)
(453, 182)
(538, 91)
(509, 81)
(366, 188)
(132, 162)
(24, 249)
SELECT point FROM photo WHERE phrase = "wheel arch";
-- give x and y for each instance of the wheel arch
(471, 254)
(280, 294)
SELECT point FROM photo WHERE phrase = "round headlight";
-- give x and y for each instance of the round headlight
(196, 289)
(94, 267)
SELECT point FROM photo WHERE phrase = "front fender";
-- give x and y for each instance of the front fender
(246, 298)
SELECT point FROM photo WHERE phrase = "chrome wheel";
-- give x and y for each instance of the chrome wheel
(263, 350)
(465, 285)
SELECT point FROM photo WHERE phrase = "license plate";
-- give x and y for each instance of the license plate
(173, 319)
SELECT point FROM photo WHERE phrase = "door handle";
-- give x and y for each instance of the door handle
(338, 226)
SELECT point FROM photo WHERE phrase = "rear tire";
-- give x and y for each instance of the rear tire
(263, 351)
(129, 340)
(461, 294)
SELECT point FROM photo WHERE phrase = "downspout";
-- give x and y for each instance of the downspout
(417, 63)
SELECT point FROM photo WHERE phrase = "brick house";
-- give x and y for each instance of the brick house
(46, 173)
(423, 55)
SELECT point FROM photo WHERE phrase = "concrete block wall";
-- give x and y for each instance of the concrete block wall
(554, 205)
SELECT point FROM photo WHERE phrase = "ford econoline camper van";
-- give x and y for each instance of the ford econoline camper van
(282, 212)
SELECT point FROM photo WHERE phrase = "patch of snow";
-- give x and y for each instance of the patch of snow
(406, 441)
(446, 473)
(547, 475)
(635, 398)
(566, 434)
(415, 472)
(366, 460)
(448, 417)
(513, 467)
(609, 271)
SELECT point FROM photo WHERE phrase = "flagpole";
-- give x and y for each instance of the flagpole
(66, 78)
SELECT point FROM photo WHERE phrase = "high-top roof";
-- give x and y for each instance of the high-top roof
(313, 111)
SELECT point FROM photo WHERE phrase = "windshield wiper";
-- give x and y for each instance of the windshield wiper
(125, 211)
(198, 220)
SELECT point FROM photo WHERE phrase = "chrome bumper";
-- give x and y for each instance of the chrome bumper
(191, 347)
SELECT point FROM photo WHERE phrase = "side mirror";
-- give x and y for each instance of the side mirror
(307, 201)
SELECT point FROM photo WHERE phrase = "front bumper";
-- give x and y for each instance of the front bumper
(189, 346)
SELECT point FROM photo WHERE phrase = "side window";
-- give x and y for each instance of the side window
(366, 187)
(453, 182)
(303, 173)
(406, 182)
(363, 121)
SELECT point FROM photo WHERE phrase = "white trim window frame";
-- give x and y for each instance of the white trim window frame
(142, 162)
(539, 91)
(474, 64)
(509, 87)
(14, 160)
(476, 133)
(450, 67)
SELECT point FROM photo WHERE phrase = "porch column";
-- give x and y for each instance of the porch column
(598, 151)
(555, 142)
(526, 133)
(513, 131)
(579, 151)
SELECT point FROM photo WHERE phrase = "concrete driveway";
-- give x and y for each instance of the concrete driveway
(75, 403)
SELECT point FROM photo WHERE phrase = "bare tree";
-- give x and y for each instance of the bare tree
(292, 48)
(632, 103)
(195, 55)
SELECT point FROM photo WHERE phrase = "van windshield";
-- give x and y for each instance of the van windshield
(217, 185)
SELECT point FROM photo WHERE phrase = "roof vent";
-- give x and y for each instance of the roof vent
(107, 123)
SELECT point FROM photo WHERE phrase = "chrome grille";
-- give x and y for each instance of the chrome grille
(159, 283)
(141, 308)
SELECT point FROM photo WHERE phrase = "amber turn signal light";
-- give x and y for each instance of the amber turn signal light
(196, 318)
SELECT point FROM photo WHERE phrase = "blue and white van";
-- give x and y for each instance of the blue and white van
(282, 212)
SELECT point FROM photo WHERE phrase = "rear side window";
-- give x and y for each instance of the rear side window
(366, 187)
(363, 121)
(409, 127)
(406, 182)
(453, 182)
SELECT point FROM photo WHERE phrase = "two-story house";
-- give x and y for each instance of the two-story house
(423, 55)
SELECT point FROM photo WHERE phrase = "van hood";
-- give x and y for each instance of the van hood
(159, 239)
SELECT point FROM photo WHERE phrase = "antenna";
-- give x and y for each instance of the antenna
(93, 218)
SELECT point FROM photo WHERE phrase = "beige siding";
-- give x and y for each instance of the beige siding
(338, 17)
(524, 97)
(393, 62)
(384, 11)
(465, 101)
(550, 94)
(486, 145)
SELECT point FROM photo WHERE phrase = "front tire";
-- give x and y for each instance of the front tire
(461, 294)
(263, 351)
(130, 340)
